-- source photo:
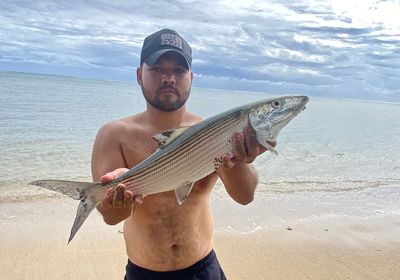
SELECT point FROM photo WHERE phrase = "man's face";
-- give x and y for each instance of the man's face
(166, 85)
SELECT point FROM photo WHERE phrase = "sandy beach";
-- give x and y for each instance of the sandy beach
(34, 246)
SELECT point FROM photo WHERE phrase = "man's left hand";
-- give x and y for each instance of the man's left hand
(246, 148)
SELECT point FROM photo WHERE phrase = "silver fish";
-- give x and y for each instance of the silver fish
(186, 154)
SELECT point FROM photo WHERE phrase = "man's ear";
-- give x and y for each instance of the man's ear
(139, 75)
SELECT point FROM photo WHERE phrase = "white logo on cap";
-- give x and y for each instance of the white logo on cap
(173, 40)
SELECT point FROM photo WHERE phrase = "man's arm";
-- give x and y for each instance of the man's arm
(107, 164)
(238, 175)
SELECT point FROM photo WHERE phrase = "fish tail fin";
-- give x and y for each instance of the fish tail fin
(85, 207)
(90, 194)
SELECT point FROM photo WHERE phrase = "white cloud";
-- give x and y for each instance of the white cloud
(332, 43)
(254, 44)
(369, 12)
(293, 55)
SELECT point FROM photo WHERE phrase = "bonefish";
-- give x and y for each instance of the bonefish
(186, 154)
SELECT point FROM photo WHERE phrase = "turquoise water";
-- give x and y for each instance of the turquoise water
(336, 148)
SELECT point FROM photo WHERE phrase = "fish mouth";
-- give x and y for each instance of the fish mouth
(302, 104)
(305, 101)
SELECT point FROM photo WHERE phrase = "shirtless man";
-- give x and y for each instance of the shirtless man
(165, 240)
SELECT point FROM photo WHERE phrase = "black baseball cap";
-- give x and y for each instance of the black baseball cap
(161, 42)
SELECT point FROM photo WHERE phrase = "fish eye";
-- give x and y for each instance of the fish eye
(276, 104)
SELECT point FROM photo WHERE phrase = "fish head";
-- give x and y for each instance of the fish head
(268, 117)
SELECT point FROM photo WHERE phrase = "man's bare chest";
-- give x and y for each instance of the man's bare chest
(136, 145)
(137, 150)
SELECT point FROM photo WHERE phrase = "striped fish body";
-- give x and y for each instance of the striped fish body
(190, 156)
(187, 154)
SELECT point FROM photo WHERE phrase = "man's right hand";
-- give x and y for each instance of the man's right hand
(118, 203)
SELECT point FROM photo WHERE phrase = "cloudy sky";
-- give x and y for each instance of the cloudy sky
(333, 48)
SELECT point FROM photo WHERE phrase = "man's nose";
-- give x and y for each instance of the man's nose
(168, 78)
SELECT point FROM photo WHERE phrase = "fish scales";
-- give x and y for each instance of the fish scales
(191, 166)
(181, 150)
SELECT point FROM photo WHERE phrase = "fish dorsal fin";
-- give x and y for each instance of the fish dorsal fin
(183, 192)
(164, 137)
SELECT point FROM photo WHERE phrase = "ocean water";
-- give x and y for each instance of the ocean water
(344, 153)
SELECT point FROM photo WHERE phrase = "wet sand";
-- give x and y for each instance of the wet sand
(33, 245)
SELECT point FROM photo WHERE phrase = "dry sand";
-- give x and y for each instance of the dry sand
(33, 246)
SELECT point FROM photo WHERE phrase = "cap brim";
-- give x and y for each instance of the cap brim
(152, 59)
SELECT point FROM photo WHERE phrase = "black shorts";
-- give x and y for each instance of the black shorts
(207, 268)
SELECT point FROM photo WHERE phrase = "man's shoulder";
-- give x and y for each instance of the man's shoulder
(121, 127)
(193, 118)
(124, 125)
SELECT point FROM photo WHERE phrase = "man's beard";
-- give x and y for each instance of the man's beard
(164, 104)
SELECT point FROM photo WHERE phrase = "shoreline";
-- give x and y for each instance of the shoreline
(34, 245)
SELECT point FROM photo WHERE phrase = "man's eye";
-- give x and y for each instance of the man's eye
(155, 69)
(180, 71)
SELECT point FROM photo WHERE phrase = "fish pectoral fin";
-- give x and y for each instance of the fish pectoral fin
(261, 139)
(163, 138)
(183, 192)
(270, 148)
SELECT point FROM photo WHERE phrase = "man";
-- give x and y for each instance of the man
(165, 240)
